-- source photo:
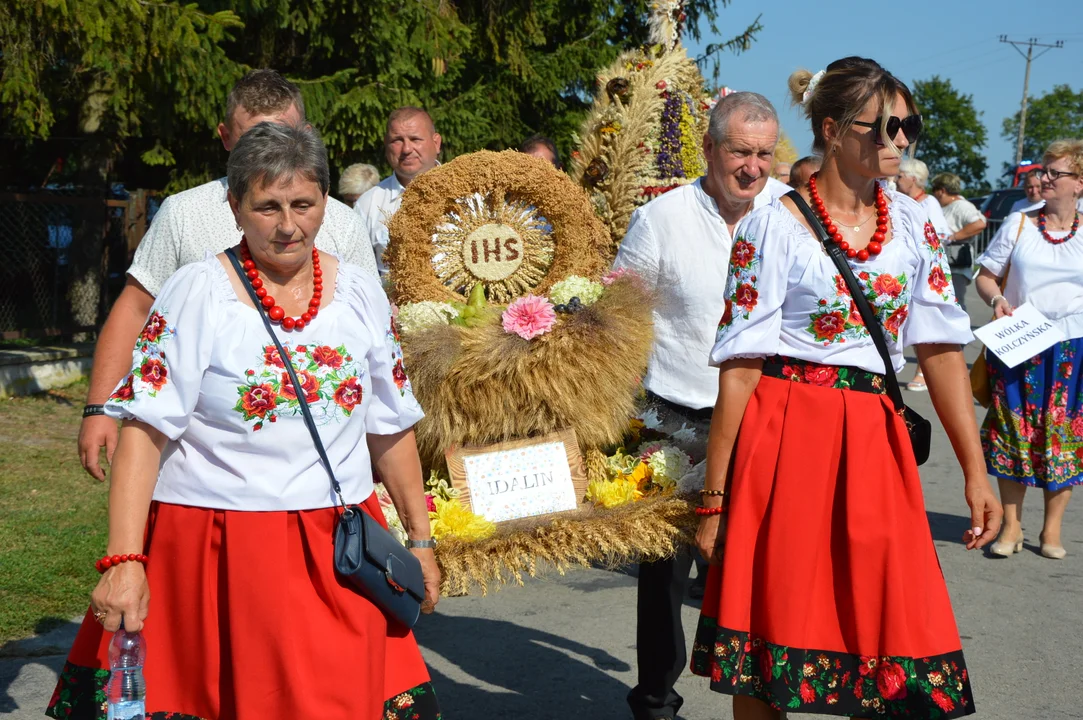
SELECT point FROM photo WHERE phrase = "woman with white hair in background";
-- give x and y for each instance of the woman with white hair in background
(357, 180)
(912, 178)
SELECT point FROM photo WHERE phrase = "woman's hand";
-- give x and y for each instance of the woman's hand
(123, 595)
(711, 537)
(1002, 308)
(431, 571)
(985, 513)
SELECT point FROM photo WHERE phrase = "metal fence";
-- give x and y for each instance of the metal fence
(65, 260)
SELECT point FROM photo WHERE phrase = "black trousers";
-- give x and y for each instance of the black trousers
(660, 650)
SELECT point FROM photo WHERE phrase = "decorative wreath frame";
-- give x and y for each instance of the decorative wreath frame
(580, 241)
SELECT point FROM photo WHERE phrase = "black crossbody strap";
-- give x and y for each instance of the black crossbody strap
(297, 389)
(872, 322)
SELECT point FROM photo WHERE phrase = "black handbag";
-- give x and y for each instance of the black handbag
(920, 429)
(367, 557)
(960, 255)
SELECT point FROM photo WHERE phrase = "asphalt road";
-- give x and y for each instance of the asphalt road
(564, 647)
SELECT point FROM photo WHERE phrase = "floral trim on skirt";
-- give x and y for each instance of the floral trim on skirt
(823, 681)
(80, 695)
(839, 377)
(1033, 432)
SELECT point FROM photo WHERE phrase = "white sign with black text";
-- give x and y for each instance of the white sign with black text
(526, 481)
(1020, 336)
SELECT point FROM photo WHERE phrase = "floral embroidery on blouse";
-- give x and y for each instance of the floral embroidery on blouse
(939, 274)
(743, 264)
(331, 381)
(150, 373)
(838, 319)
(398, 369)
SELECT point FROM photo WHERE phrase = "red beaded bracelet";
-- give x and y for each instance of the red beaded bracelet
(110, 560)
(707, 511)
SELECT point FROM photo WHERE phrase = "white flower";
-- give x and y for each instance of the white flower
(420, 315)
(668, 465)
(586, 290)
(650, 420)
(694, 480)
(685, 435)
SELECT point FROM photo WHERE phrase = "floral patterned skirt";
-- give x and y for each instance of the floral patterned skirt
(817, 606)
(248, 621)
(1033, 432)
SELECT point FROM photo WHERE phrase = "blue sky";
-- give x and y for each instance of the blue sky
(915, 40)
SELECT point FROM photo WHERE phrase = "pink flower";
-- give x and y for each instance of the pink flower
(529, 316)
(614, 275)
(646, 452)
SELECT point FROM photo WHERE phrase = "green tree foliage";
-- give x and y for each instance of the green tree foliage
(155, 73)
(1055, 115)
(953, 135)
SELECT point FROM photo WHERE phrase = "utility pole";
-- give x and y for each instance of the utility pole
(1030, 56)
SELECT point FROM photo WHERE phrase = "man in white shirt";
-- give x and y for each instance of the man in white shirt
(186, 227)
(680, 244)
(965, 222)
(411, 145)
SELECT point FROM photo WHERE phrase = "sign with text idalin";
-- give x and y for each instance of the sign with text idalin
(520, 479)
(1019, 336)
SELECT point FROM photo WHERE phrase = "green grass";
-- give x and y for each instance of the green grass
(53, 519)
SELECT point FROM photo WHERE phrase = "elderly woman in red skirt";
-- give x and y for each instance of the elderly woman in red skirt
(825, 594)
(217, 482)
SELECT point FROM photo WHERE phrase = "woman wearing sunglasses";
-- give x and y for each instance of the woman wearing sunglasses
(825, 594)
(1033, 433)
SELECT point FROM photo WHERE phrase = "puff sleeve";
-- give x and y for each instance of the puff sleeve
(393, 407)
(751, 324)
(935, 316)
(171, 354)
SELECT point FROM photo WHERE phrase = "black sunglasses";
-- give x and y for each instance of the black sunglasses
(910, 125)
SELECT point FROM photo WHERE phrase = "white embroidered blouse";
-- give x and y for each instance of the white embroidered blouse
(786, 297)
(1048, 276)
(206, 374)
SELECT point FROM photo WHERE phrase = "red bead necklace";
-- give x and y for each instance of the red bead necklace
(275, 312)
(1049, 238)
(875, 246)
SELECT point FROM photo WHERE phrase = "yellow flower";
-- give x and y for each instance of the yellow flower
(453, 519)
(613, 493)
(641, 476)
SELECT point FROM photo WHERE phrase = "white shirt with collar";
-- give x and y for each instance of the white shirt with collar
(196, 221)
(680, 244)
(375, 208)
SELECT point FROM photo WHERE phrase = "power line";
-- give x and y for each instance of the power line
(1030, 56)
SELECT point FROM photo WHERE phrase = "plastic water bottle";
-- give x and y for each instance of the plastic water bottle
(126, 689)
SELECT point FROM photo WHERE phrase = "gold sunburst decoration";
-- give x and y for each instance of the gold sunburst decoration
(502, 242)
(507, 220)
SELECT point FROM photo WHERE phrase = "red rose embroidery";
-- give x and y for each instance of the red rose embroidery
(808, 693)
(891, 681)
(826, 327)
(271, 356)
(931, 238)
(896, 320)
(867, 667)
(399, 373)
(746, 296)
(822, 376)
(937, 280)
(743, 252)
(126, 391)
(258, 400)
(154, 373)
(727, 314)
(832, 699)
(716, 672)
(840, 286)
(887, 285)
(767, 664)
(942, 700)
(855, 315)
(154, 328)
(348, 394)
(308, 383)
(792, 373)
(1077, 426)
(327, 356)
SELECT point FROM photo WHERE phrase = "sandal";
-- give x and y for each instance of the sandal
(917, 385)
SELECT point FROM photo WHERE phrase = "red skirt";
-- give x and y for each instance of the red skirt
(248, 621)
(830, 598)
